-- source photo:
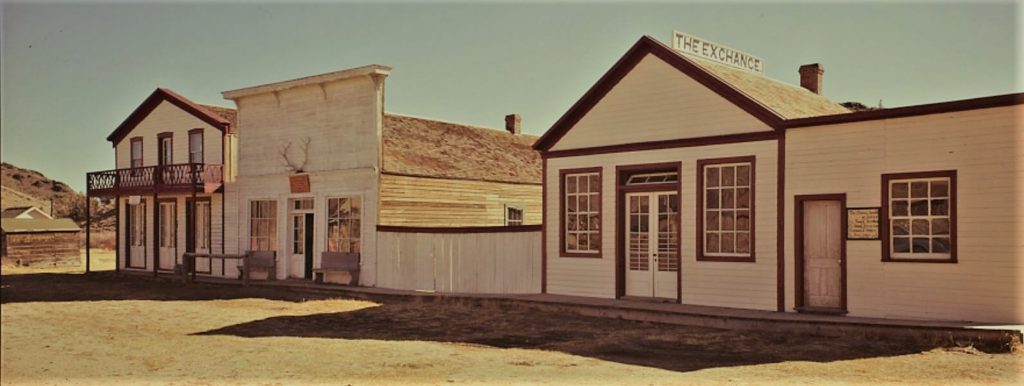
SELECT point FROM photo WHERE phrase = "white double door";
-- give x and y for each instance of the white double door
(652, 244)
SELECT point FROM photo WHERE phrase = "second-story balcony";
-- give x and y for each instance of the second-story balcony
(177, 178)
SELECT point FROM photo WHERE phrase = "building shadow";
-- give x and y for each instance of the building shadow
(675, 348)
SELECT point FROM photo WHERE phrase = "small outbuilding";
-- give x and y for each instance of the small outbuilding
(30, 237)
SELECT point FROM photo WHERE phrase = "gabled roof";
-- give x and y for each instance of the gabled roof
(430, 148)
(160, 95)
(768, 100)
(17, 225)
(24, 212)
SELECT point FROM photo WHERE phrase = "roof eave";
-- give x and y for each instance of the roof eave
(369, 70)
(152, 101)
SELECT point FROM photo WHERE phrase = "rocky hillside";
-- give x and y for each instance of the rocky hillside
(66, 201)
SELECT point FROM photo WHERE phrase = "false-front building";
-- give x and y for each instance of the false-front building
(684, 180)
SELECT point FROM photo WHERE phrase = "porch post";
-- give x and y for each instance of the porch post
(117, 233)
(192, 235)
(157, 171)
(88, 225)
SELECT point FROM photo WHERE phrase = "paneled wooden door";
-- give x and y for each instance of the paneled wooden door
(136, 235)
(168, 231)
(652, 244)
(822, 247)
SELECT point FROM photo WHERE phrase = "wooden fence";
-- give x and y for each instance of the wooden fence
(467, 260)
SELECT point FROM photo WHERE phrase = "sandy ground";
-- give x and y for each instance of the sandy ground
(101, 329)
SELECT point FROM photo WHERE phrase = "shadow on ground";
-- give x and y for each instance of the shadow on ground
(677, 348)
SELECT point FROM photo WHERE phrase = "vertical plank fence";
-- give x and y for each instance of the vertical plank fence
(460, 260)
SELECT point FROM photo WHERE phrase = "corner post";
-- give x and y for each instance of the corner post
(88, 225)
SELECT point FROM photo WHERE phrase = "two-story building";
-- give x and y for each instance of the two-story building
(315, 165)
(172, 159)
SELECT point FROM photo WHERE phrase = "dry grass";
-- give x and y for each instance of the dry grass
(102, 260)
(108, 342)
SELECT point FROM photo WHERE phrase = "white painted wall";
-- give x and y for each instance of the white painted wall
(655, 102)
(168, 117)
(503, 263)
(725, 284)
(986, 147)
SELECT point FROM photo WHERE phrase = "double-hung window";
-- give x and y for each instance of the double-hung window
(263, 225)
(581, 214)
(919, 215)
(726, 199)
(195, 146)
(343, 224)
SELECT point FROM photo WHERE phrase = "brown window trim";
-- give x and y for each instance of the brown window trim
(142, 149)
(561, 210)
(884, 215)
(160, 147)
(699, 220)
(202, 139)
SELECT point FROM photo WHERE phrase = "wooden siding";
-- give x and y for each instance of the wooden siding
(216, 234)
(324, 185)
(724, 284)
(167, 117)
(986, 148)
(657, 102)
(499, 262)
(419, 201)
(41, 248)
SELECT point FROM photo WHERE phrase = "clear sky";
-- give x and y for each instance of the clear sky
(71, 72)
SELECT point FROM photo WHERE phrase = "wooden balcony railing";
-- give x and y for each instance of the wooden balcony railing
(205, 178)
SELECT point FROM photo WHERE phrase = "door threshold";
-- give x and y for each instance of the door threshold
(647, 299)
(821, 310)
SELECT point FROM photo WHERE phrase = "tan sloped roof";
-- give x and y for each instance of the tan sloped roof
(785, 100)
(224, 112)
(16, 225)
(431, 148)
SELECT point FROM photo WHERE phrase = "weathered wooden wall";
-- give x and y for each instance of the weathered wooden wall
(39, 249)
(493, 262)
(419, 201)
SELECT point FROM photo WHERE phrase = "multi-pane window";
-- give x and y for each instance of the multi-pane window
(136, 152)
(920, 216)
(513, 215)
(581, 196)
(263, 225)
(195, 146)
(343, 224)
(728, 205)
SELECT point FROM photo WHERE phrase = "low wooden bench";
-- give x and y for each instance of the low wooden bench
(259, 260)
(338, 262)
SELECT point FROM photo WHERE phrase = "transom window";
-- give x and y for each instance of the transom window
(263, 225)
(727, 203)
(920, 216)
(343, 224)
(513, 215)
(653, 178)
(581, 224)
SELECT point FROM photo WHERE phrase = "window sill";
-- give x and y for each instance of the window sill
(728, 259)
(933, 261)
(580, 255)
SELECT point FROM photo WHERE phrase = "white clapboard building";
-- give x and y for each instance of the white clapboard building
(685, 175)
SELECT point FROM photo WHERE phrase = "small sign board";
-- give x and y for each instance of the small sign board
(862, 224)
(695, 46)
(299, 183)
(134, 200)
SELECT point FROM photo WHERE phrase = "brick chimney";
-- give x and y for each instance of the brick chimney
(810, 77)
(513, 123)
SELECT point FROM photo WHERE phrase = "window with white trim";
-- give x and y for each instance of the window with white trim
(343, 224)
(263, 225)
(513, 215)
(919, 218)
(582, 222)
(728, 208)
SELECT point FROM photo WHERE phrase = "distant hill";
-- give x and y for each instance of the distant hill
(66, 202)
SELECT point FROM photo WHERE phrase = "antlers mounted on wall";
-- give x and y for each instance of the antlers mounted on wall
(292, 166)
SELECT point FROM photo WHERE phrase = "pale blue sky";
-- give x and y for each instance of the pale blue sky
(72, 72)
